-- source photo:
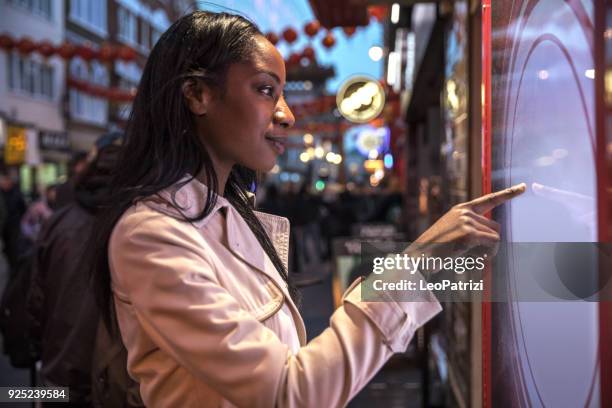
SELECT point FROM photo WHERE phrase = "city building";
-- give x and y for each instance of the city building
(32, 125)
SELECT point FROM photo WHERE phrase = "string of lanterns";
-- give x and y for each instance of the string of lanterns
(311, 29)
(67, 50)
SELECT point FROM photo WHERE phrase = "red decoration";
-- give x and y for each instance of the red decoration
(311, 29)
(85, 52)
(378, 12)
(309, 53)
(349, 31)
(294, 59)
(107, 53)
(26, 45)
(126, 53)
(329, 40)
(290, 35)
(46, 49)
(7, 42)
(272, 37)
(66, 50)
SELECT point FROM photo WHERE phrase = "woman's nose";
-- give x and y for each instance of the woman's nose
(283, 115)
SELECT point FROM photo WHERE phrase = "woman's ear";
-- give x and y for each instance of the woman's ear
(198, 96)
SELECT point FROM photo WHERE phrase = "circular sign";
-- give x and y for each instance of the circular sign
(360, 99)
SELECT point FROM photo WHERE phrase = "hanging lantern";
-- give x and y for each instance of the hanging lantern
(26, 45)
(349, 31)
(290, 35)
(107, 53)
(272, 37)
(311, 29)
(309, 53)
(294, 59)
(66, 50)
(378, 12)
(329, 40)
(46, 49)
(126, 53)
(7, 42)
(85, 52)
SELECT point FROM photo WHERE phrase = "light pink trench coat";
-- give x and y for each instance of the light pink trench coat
(207, 321)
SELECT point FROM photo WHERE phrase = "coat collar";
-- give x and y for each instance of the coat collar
(189, 194)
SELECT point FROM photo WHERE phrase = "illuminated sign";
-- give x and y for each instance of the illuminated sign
(15, 148)
(360, 99)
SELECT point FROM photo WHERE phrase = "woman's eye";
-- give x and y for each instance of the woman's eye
(267, 90)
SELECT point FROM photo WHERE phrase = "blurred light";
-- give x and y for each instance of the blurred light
(319, 152)
(543, 74)
(388, 160)
(375, 53)
(559, 153)
(544, 161)
(330, 157)
(275, 169)
(310, 152)
(395, 13)
(590, 73)
(295, 177)
(373, 165)
(304, 157)
(338, 159)
(392, 68)
(308, 85)
(608, 33)
(308, 139)
(327, 145)
(319, 185)
(379, 174)
(284, 176)
(374, 181)
(373, 154)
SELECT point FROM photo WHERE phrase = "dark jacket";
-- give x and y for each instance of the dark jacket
(74, 347)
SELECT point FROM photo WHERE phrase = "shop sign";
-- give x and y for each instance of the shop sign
(57, 141)
(15, 147)
(360, 99)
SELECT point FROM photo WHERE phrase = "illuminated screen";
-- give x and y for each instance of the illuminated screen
(544, 354)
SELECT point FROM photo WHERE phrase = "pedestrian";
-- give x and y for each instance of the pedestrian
(196, 279)
(64, 320)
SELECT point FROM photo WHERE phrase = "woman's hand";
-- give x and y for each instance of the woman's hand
(465, 226)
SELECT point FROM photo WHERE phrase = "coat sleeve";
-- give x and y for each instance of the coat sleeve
(162, 267)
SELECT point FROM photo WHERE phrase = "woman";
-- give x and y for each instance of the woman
(197, 281)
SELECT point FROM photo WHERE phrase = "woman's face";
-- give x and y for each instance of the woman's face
(242, 122)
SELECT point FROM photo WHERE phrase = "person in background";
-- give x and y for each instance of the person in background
(37, 213)
(65, 191)
(64, 320)
(14, 245)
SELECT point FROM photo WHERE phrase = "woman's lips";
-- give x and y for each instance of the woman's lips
(277, 144)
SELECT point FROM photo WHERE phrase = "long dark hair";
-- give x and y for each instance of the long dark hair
(162, 144)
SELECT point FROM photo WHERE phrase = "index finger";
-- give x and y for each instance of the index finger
(486, 203)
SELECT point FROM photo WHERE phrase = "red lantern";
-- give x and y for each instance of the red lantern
(126, 53)
(85, 52)
(272, 37)
(26, 45)
(309, 53)
(329, 40)
(378, 12)
(294, 59)
(7, 42)
(349, 31)
(107, 53)
(46, 49)
(290, 35)
(311, 29)
(66, 50)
